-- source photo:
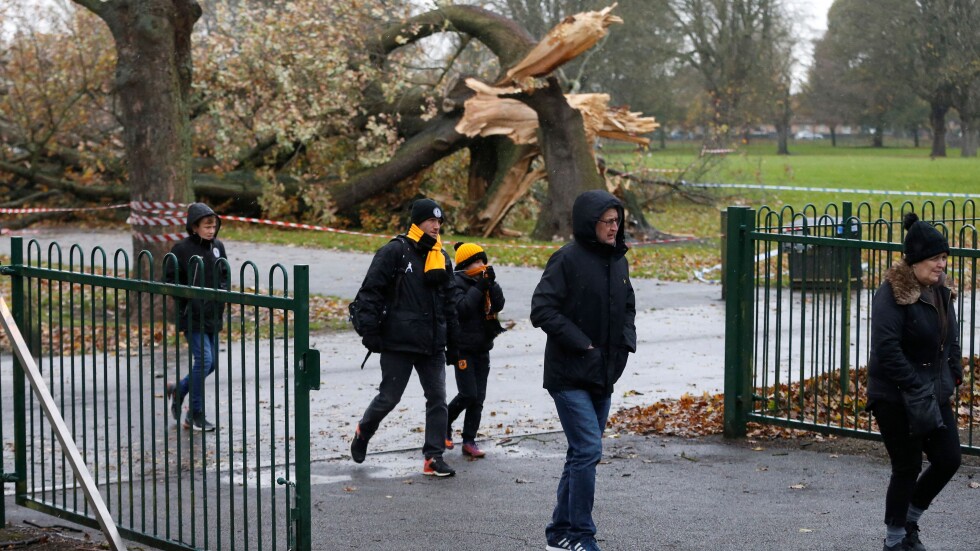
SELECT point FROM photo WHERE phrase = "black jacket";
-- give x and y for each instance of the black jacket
(585, 298)
(907, 351)
(471, 309)
(421, 318)
(197, 314)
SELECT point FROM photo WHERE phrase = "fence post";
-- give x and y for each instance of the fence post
(304, 380)
(845, 300)
(19, 388)
(738, 320)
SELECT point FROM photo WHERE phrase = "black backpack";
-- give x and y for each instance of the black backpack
(356, 308)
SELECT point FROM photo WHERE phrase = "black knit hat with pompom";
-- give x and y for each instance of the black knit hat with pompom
(922, 240)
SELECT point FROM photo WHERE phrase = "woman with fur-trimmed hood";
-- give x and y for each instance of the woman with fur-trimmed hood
(913, 371)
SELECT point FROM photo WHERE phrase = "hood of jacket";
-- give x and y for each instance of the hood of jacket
(587, 210)
(906, 287)
(194, 214)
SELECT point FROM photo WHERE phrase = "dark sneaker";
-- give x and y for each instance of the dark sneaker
(559, 544)
(901, 546)
(585, 544)
(197, 422)
(435, 466)
(912, 540)
(472, 450)
(175, 404)
(358, 446)
(449, 439)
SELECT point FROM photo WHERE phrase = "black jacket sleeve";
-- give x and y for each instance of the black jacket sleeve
(955, 356)
(451, 297)
(469, 301)
(629, 328)
(887, 321)
(546, 307)
(496, 298)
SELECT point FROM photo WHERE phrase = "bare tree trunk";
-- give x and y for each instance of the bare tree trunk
(969, 129)
(153, 80)
(937, 119)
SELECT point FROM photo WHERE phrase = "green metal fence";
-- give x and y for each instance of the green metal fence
(103, 333)
(799, 290)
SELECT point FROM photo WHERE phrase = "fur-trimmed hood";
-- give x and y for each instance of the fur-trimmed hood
(906, 288)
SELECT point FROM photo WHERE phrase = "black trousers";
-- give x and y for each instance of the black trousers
(471, 382)
(396, 369)
(909, 484)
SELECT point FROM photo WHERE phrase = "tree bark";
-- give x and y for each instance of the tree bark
(567, 155)
(937, 119)
(968, 126)
(153, 82)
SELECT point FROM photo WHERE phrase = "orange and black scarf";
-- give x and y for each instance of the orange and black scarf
(435, 263)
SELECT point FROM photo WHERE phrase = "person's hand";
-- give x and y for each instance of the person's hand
(489, 275)
(426, 242)
(482, 283)
(452, 356)
(373, 342)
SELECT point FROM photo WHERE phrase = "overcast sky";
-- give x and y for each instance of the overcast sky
(812, 22)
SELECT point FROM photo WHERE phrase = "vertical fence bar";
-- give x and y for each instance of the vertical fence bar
(20, 401)
(308, 377)
(738, 324)
(845, 304)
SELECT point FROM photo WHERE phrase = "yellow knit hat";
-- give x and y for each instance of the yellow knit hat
(467, 253)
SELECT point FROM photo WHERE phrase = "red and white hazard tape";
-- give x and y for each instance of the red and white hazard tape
(162, 238)
(164, 214)
(66, 209)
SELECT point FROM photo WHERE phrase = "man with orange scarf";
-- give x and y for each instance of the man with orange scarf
(409, 309)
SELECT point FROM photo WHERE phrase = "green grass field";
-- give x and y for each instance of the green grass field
(810, 164)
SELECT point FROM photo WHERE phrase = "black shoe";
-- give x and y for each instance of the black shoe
(900, 546)
(358, 446)
(175, 403)
(435, 466)
(197, 422)
(912, 540)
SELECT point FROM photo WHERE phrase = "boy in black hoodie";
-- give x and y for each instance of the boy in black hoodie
(200, 260)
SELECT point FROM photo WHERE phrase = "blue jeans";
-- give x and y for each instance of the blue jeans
(204, 350)
(583, 418)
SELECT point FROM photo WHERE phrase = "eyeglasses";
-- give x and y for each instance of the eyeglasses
(610, 222)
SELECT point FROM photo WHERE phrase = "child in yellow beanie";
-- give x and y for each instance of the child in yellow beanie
(479, 300)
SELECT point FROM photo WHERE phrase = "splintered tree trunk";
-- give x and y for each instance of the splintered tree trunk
(153, 80)
(567, 155)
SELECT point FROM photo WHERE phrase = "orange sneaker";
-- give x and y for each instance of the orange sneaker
(472, 450)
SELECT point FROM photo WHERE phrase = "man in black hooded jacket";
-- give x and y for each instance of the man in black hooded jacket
(409, 311)
(585, 304)
(200, 260)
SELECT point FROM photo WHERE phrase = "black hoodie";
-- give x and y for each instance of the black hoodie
(584, 299)
(198, 314)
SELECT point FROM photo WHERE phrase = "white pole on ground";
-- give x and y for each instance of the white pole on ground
(60, 429)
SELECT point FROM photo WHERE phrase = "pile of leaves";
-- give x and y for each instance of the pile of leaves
(817, 400)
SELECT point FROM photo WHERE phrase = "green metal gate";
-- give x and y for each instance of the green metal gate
(798, 298)
(103, 334)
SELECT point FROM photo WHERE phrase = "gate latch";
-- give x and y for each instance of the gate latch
(309, 368)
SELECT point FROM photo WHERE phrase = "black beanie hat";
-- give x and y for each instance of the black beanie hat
(922, 240)
(423, 209)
